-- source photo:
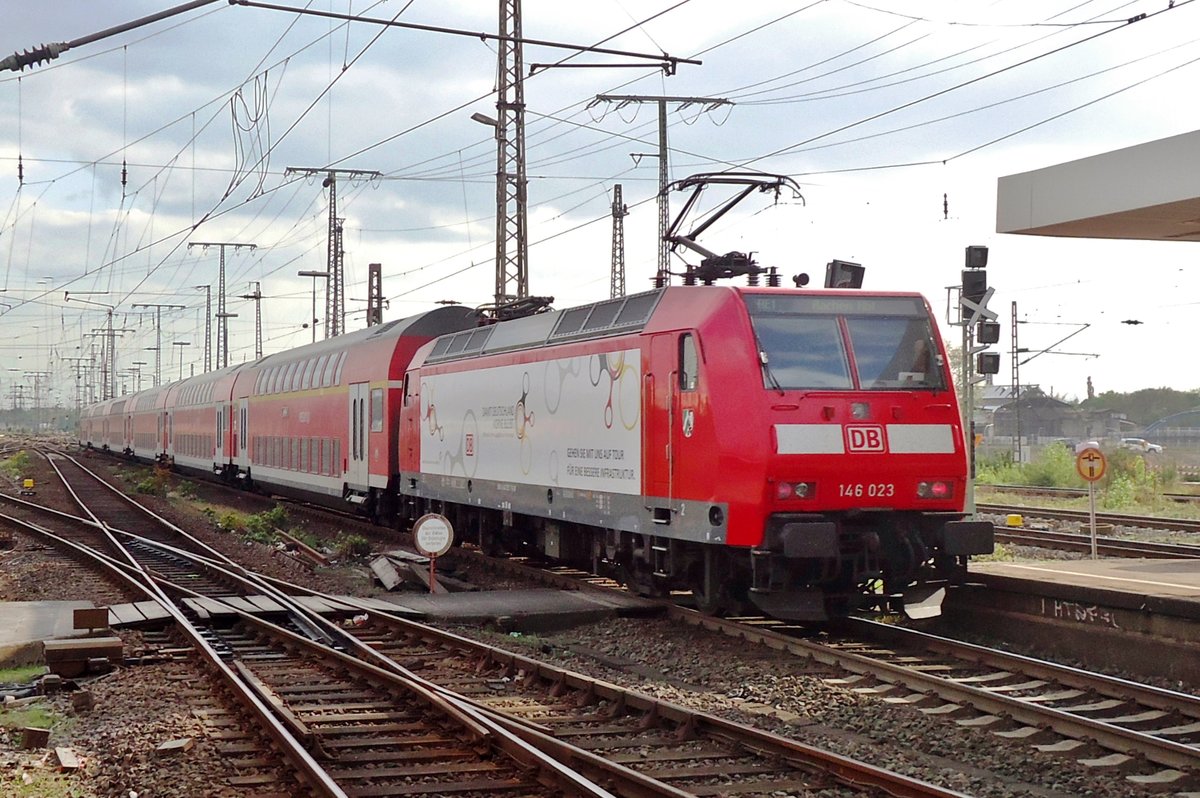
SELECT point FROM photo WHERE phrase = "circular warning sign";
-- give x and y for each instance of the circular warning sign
(433, 534)
(1090, 464)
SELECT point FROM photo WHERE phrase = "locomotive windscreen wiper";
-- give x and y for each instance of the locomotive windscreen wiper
(765, 362)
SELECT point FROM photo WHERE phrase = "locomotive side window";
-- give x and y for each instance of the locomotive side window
(689, 363)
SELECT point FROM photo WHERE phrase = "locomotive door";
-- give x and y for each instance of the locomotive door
(356, 469)
(673, 402)
(658, 465)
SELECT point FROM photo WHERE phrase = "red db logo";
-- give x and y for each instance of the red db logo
(865, 439)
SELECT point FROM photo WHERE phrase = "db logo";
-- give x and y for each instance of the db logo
(865, 439)
(470, 445)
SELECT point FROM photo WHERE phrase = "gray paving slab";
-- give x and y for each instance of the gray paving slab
(25, 624)
(538, 609)
(1179, 579)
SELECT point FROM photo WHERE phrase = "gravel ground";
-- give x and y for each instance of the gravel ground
(722, 676)
(135, 710)
(686, 666)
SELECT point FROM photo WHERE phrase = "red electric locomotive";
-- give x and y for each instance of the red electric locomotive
(801, 450)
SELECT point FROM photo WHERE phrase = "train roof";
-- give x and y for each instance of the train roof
(599, 319)
(620, 316)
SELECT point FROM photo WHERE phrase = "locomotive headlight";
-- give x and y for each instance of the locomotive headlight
(794, 490)
(935, 490)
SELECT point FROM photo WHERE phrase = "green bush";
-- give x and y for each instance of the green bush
(352, 546)
(1053, 468)
(261, 527)
(18, 465)
(231, 521)
(156, 484)
(997, 469)
(1121, 491)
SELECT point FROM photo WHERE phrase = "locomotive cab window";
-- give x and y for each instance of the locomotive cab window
(689, 363)
(844, 343)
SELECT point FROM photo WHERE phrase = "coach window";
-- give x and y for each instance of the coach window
(376, 410)
(337, 375)
(306, 382)
(689, 363)
(297, 375)
(319, 371)
(327, 376)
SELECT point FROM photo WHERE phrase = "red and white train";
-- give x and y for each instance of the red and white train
(800, 450)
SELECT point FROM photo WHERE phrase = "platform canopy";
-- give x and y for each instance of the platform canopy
(1149, 191)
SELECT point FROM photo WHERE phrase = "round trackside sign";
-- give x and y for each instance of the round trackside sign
(1090, 464)
(433, 534)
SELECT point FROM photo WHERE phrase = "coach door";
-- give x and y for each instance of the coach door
(356, 463)
(243, 419)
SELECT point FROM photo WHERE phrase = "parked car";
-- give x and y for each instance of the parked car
(1140, 445)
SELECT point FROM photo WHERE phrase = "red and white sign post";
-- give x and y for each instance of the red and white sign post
(1091, 465)
(433, 536)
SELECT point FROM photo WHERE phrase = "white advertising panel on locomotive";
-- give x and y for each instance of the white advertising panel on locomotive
(571, 422)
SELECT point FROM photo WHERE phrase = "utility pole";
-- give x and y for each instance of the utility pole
(256, 295)
(207, 326)
(222, 316)
(619, 212)
(512, 239)
(335, 303)
(374, 294)
(662, 276)
(1016, 382)
(158, 309)
(37, 404)
(78, 361)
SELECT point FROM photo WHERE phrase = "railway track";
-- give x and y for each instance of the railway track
(1105, 546)
(359, 723)
(1072, 493)
(1147, 735)
(1081, 516)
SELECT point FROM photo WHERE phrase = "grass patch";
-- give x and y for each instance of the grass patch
(38, 783)
(1000, 553)
(21, 675)
(17, 466)
(36, 716)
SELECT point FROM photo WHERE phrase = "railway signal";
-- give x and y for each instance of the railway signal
(980, 329)
(1091, 465)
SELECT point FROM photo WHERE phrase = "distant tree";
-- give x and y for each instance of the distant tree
(1146, 405)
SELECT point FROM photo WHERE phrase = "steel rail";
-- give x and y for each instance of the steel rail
(1120, 519)
(1145, 694)
(312, 773)
(1119, 547)
(435, 695)
(846, 770)
(1113, 737)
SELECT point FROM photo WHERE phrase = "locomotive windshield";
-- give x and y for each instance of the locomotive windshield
(845, 342)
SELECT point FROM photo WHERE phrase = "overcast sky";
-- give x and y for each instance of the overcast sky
(879, 110)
